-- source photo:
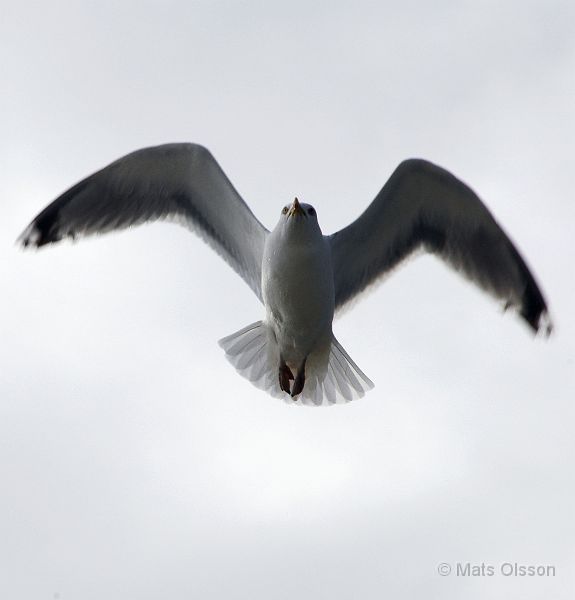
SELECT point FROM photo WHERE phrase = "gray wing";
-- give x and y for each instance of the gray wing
(424, 206)
(179, 182)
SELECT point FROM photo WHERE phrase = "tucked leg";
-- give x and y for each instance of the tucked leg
(299, 381)
(285, 375)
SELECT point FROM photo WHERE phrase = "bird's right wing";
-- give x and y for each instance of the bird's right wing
(180, 182)
(425, 206)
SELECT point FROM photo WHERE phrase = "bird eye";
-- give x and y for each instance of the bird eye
(311, 211)
(284, 210)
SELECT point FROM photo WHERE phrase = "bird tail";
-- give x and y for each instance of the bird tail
(331, 376)
(253, 352)
(349, 381)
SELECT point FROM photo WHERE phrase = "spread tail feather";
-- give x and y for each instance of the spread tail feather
(253, 352)
(331, 376)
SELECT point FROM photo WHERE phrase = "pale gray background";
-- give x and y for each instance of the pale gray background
(135, 463)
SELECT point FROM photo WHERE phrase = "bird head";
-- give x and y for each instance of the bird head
(298, 210)
(298, 220)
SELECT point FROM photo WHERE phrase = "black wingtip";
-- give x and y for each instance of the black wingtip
(29, 237)
(535, 313)
(533, 305)
(46, 227)
(39, 233)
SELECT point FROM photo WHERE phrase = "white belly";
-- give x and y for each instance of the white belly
(298, 292)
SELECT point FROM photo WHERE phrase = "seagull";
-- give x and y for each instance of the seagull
(301, 276)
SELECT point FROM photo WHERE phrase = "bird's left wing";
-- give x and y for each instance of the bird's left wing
(422, 205)
(180, 182)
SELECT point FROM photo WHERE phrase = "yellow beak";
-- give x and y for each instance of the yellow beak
(296, 209)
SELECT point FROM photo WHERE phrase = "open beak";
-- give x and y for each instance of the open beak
(296, 209)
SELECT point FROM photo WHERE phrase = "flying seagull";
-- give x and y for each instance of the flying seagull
(301, 276)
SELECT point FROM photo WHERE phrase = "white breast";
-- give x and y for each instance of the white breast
(298, 291)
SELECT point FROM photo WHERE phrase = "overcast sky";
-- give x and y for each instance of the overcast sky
(135, 463)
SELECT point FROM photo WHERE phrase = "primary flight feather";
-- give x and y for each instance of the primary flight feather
(301, 276)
